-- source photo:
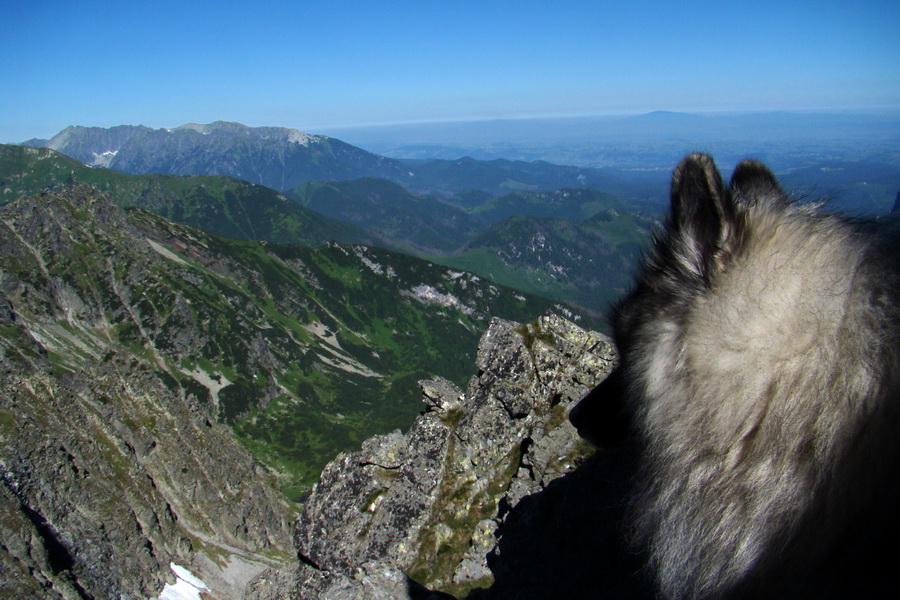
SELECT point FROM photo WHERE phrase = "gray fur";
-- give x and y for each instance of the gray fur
(760, 375)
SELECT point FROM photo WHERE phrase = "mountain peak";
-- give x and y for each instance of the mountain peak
(225, 126)
(239, 129)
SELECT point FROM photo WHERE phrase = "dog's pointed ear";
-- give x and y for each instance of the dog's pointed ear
(752, 181)
(704, 217)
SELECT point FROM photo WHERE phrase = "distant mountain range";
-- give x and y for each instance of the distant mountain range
(276, 157)
(222, 205)
(850, 157)
(501, 176)
(282, 158)
(457, 232)
(578, 137)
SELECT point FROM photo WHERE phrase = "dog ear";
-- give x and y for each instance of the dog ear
(704, 219)
(752, 181)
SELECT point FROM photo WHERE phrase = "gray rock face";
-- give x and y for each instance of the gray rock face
(128, 344)
(110, 469)
(107, 476)
(276, 157)
(113, 463)
(430, 503)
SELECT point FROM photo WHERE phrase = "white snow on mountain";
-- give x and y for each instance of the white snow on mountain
(187, 586)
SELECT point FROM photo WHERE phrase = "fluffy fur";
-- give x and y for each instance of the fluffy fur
(759, 374)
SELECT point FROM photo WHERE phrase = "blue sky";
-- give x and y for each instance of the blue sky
(314, 64)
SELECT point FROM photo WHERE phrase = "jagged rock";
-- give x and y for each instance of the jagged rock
(473, 566)
(110, 469)
(128, 347)
(116, 478)
(440, 394)
(430, 503)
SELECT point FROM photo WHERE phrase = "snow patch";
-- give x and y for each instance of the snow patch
(374, 266)
(347, 364)
(321, 331)
(187, 586)
(104, 159)
(341, 360)
(556, 269)
(299, 137)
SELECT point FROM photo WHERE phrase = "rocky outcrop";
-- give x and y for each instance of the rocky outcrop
(112, 472)
(303, 352)
(429, 509)
(111, 468)
(127, 347)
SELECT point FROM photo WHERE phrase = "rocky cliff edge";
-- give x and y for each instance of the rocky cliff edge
(457, 503)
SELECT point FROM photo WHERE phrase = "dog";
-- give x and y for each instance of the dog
(759, 375)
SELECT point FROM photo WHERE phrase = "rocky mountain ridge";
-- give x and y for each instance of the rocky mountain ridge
(301, 351)
(484, 483)
(276, 157)
(111, 472)
(117, 458)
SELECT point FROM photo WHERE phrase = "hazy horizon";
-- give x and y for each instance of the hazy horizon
(525, 125)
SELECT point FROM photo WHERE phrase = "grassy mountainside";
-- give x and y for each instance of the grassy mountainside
(226, 206)
(572, 245)
(589, 263)
(303, 352)
(423, 222)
